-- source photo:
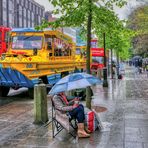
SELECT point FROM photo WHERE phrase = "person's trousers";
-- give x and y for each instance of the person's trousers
(78, 113)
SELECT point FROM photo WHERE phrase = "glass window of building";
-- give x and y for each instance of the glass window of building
(29, 5)
(41, 12)
(28, 15)
(24, 12)
(32, 24)
(32, 17)
(4, 16)
(11, 13)
(20, 21)
(5, 23)
(32, 6)
(25, 22)
(38, 11)
(26, 3)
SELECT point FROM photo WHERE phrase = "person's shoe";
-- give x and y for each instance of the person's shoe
(87, 130)
(81, 132)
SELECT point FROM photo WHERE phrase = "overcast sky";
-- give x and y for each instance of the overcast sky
(45, 3)
(122, 12)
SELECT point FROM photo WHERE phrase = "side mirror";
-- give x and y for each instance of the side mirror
(35, 51)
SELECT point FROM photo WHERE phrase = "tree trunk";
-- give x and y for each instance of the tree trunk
(89, 23)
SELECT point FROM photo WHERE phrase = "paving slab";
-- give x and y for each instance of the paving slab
(126, 101)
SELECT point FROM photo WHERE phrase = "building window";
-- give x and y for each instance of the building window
(4, 4)
(26, 5)
(28, 15)
(5, 23)
(24, 12)
(25, 22)
(4, 15)
(29, 5)
(20, 21)
(32, 17)
(32, 6)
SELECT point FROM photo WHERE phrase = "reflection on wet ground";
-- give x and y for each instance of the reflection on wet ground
(127, 110)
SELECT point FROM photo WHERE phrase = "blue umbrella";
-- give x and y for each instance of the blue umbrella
(74, 81)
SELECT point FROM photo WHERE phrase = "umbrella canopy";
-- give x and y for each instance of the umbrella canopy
(137, 57)
(74, 81)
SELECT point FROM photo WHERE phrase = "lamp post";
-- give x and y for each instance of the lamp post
(117, 64)
(105, 83)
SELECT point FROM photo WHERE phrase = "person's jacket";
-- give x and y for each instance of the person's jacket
(60, 104)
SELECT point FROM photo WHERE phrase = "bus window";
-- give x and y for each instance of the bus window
(78, 51)
(48, 43)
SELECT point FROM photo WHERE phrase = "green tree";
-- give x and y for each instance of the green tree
(89, 14)
(138, 21)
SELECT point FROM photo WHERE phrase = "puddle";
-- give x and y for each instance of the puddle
(99, 109)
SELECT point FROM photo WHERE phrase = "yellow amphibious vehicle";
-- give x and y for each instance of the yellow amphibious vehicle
(32, 54)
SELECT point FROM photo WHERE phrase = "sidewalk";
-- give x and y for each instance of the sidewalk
(127, 111)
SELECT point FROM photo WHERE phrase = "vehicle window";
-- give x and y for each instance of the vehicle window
(97, 59)
(26, 42)
(78, 51)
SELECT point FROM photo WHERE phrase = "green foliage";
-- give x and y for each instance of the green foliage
(138, 21)
(75, 13)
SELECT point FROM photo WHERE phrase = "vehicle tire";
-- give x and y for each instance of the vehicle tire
(31, 90)
(63, 74)
(45, 81)
(31, 93)
(4, 90)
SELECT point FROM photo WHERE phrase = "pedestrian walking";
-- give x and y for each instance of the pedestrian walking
(147, 69)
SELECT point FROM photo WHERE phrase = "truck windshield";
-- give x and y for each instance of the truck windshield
(26, 42)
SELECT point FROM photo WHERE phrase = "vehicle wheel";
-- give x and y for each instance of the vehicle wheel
(4, 91)
(63, 74)
(31, 92)
(45, 81)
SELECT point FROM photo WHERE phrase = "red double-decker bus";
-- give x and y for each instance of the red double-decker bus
(97, 56)
(4, 31)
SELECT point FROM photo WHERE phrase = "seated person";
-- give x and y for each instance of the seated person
(74, 109)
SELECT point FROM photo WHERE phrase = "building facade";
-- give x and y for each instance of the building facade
(20, 13)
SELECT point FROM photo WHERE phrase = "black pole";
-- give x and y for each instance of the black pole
(111, 64)
(105, 83)
(117, 64)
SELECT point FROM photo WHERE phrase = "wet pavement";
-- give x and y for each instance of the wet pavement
(126, 101)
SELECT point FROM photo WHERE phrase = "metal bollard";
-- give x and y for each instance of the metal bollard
(40, 104)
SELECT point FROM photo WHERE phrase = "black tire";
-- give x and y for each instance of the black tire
(4, 91)
(63, 74)
(31, 90)
(45, 81)
(31, 93)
